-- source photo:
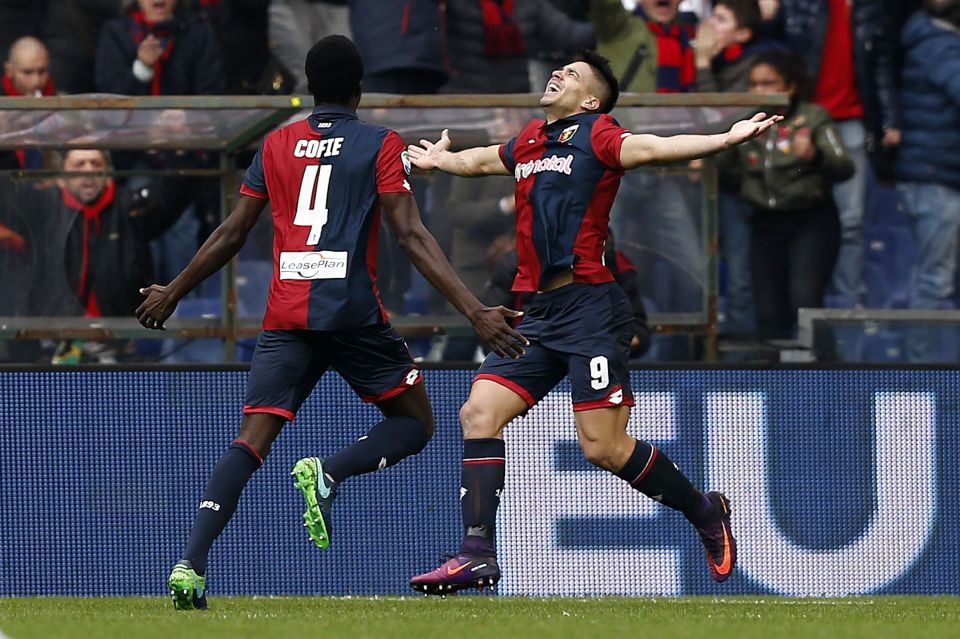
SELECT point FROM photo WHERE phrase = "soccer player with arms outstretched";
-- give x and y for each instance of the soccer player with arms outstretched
(327, 178)
(579, 324)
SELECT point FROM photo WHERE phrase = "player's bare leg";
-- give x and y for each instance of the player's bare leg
(603, 437)
(405, 431)
(602, 433)
(483, 417)
(187, 581)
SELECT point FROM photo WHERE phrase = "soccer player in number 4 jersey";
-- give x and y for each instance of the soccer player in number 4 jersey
(579, 324)
(327, 178)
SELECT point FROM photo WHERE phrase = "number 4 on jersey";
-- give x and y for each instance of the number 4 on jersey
(312, 204)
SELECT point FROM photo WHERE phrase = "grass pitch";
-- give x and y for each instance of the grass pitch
(499, 617)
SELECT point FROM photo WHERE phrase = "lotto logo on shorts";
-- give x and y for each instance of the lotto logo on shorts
(313, 265)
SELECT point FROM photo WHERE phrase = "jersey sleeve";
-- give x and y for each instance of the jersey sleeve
(506, 154)
(254, 182)
(393, 165)
(607, 137)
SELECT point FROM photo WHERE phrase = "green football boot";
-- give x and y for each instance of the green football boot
(187, 588)
(318, 491)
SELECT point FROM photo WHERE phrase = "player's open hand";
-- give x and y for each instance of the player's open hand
(427, 154)
(490, 323)
(748, 129)
(157, 308)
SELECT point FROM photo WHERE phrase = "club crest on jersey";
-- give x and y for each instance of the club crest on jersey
(405, 158)
(567, 133)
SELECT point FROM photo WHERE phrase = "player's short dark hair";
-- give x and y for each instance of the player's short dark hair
(745, 12)
(601, 66)
(334, 70)
(948, 10)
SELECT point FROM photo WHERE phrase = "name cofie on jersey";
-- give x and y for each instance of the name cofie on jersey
(553, 163)
(323, 148)
(313, 265)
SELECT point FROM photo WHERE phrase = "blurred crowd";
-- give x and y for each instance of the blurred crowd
(874, 90)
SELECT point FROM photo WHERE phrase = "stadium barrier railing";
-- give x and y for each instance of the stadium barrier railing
(668, 227)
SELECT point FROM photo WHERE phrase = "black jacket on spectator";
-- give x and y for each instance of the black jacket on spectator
(193, 67)
(804, 27)
(71, 30)
(498, 291)
(16, 263)
(8, 159)
(398, 34)
(241, 29)
(118, 253)
(476, 68)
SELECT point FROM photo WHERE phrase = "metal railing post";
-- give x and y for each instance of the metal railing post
(709, 198)
(228, 277)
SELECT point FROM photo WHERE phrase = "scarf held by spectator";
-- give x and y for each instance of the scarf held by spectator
(676, 71)
(141, 29)
(501, 35)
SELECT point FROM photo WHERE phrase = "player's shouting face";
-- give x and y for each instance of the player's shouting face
(573, 89)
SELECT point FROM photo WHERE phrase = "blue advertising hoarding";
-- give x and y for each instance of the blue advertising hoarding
(842, 482)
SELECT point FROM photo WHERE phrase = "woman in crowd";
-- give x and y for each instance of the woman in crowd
(787, 176)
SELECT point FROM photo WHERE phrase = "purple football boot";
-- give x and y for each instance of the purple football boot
(717, 538)
(458, 573)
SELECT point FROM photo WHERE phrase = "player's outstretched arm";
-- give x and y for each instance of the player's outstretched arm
(473, 162)
(490, 323)
(220, 247)
(641, 149)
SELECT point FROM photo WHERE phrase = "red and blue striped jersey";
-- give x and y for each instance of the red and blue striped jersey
(567, 174)
(323, 177)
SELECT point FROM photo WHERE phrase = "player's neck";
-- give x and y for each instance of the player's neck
(335, 106)
(552, 114)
